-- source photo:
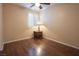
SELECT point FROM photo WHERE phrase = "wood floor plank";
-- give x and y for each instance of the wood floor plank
(41, 47)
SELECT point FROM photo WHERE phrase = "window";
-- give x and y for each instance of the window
(31, 20)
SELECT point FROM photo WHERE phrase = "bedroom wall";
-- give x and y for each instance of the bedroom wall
(1, 36)
(62, 23)
(16, 22)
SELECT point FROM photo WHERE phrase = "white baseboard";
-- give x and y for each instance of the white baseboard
(61, 43)
(44, 37)
(17, 40)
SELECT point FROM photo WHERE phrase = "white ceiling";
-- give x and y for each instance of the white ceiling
(28, 5)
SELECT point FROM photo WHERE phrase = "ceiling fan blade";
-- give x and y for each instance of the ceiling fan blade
(32, 4)
(45, 3)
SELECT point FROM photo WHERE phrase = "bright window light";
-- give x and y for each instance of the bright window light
(31, 20)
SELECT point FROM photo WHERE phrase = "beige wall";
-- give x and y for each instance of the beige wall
(16, 22)
(60, 20)
(1, 46)
(62, 23)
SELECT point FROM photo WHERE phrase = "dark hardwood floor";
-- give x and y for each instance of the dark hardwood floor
(44, 47)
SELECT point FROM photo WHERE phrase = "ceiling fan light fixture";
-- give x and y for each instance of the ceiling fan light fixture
(40, 7)
(37, 4)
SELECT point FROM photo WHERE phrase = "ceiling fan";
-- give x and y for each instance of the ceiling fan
(40, 5)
